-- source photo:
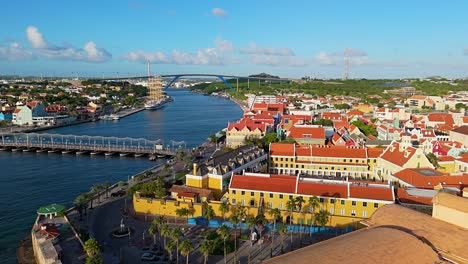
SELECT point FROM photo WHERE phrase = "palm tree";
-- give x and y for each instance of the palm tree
(299, 201)
(176, 234)
(106, 186)
(170, 245)
(165, 232)
(209, 213)
(181, 212)
(153, 230)
(322, 218)
(275, 213)
(95, 191)
(158, 221)
(291, 206)
(224, 208)
(185, 248)
(282, 230)
(206, 248)
(313, 203)
(223, 232)
(92, 247)
(80, 205)
(250, 221)
(235, 220)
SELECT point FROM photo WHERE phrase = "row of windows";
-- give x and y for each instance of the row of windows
(321, 199)
(302, 166)
(323, 159)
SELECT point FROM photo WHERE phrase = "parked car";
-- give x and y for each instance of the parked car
(118, 193)
(148, 256)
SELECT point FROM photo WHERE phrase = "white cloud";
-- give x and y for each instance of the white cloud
(15, 52)
(35, 38)
(89, 53)
(356, 57)
(253, 48)
(219, 12)
(271, 60)
(203, 56)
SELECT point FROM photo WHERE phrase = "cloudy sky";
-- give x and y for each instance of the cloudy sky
(383, 39)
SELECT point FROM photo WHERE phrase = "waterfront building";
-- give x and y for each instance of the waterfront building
(324, 161)
(215, 173)
(347, 202)
(23, 115)
(245, 128)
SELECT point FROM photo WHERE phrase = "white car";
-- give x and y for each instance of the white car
(148, 256)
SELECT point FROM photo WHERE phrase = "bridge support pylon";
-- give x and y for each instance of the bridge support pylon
(227, 84)
(172, 81)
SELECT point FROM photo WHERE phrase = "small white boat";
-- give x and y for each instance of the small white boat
(28, 150)
(16, 149)
(52, 150)
(67, 151)
(139, 154)
(81, 152)
(95, 153)
(123, 154)
(41, 150)
(109, 153)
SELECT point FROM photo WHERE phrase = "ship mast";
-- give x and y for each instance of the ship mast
(155, 85)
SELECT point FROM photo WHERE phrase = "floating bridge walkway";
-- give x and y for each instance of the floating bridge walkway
(82, 144)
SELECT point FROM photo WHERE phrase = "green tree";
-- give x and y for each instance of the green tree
(153, 230)
(224, 208)
(106, 186)
(322, 218)
(250, 221)
(299, 201)
(282, 230)
(235, 220)
(95, 191)
(185, 248)
(92, 247)
(313, 204)
(176, 234)
(275, 213)
(209, 213)
(206, 248)
(80, 204)
(96, 259)
(165, 232)
(433, 159)
(169, 247)
(223, 232)
(182, 212)
(291, 206)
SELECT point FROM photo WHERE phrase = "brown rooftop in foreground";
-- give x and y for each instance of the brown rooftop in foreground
(395, 235)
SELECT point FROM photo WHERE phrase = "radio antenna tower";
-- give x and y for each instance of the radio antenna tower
(148, 67)
(346, 72)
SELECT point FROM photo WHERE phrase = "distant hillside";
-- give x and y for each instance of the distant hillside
(264, 75)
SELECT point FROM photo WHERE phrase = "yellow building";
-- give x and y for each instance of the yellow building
(450, 208)
(346, 202)
(244, 128)
(325, 161)
(399, 156)
(215, 173)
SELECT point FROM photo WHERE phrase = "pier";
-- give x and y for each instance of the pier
(83, 144)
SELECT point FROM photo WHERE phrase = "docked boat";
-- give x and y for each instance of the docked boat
(67, 151)
(81, 152)
(109, 153)
(114, 117)
(95, 153)
(156, 97)
(52, 151)
(41, 150)
(139, 154)
(123, 154)
(16, 149)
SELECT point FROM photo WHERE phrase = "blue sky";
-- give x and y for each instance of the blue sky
(384, 39)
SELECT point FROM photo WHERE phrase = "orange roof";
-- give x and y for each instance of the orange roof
(374, 152)
(404, 197)
(287, 184)
(280, 149)
(441, 118)
(331, 116)
(427, 178)
(418, 97)
(397, 157)
(307, 132)
(17, 110)
(247, 123)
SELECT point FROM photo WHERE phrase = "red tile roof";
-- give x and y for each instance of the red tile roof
(247, 123)
(287, 185)
(397, 157)
(279, 149)
(427, 178)
(301, 131)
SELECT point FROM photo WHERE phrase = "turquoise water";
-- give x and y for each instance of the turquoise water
(30, 180)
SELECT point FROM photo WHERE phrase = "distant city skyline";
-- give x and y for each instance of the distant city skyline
(395, 39)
